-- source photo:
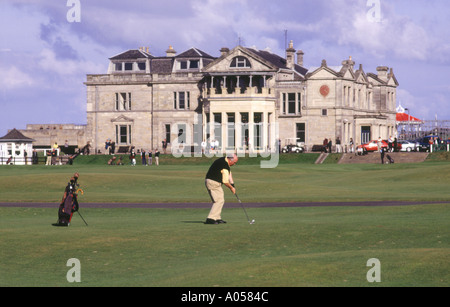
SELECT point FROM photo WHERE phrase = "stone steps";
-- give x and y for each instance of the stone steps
(321, 158)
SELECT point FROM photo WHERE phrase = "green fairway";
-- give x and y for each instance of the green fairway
(286, 247)
(304, 246)
(290, 182)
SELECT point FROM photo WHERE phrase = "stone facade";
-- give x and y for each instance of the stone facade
(247, 99)
(45, 135)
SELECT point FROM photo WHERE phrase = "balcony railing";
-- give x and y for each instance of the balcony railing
(237, 92)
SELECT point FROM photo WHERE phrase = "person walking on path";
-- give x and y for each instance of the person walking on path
(219, 174)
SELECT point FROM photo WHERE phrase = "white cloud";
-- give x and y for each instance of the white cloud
(13, 78)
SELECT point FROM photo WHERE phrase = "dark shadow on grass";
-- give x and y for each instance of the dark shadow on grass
(193, 222)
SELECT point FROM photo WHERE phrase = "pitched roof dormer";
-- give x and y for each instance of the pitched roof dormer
(191, 60)
(131, 61)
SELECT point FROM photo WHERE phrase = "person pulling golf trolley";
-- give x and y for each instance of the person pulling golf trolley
(219, 174)
(69, 203)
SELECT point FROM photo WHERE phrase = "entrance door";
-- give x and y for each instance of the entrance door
(365, 134)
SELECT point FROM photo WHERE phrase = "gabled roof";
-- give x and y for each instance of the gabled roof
(270, 57)
(301, 70)
(132, 54)
(391, 78)
(375, 77)
(194, 53)
(360, 73)
(16, 136)
(332, 70)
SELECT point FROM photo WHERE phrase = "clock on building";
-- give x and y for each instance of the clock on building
(324, 90)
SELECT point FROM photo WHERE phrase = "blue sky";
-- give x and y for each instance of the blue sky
(44, 58)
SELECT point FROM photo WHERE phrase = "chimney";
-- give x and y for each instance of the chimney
(391, 72)
(300, 55)
(382, 72)
(349, 62)
(170, 52)
(290, 56)
(224, 51)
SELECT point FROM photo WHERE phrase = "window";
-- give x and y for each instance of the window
(301, 132)
(168, 133)
(324, 112)
(123, 101)
(194, 64)
(181, 100)
(231, 131)
(141, 66)
(123, 134)
(244, 130)
(258, 130)
(240, 62)
(128, 66)
(189, 64)
(218, 127)
(291, 103)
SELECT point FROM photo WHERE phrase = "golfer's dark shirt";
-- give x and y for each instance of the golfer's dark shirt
(215, 171)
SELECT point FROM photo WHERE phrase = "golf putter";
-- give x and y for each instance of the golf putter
(250, 222)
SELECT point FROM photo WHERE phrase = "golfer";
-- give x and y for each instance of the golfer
(218, 174)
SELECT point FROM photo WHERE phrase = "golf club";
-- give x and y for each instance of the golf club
(82, 218)
(250, 222)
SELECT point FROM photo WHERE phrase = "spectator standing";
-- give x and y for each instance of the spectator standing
(379, 143)
(390, 143)
(164, 145)
(156, 156)
(338, 145)
(325, 144)
(150, 157)
(49, 158)
(351, 143)
(133, 157)
(35, 157)
(144, 161)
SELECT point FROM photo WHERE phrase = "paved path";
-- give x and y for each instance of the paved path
(228, 205)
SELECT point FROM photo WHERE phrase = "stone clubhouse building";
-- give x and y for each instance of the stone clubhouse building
(245, 99)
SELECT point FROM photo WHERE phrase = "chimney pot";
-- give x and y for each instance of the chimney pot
(290, 55)
(170, 52)
(300, 55)
(382, 72)
(224, 51)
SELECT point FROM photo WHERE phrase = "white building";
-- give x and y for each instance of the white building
(16, 146)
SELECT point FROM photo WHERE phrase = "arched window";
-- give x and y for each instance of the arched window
(240, 62)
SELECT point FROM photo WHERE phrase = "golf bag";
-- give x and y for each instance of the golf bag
(391, 161)
(68, 206)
